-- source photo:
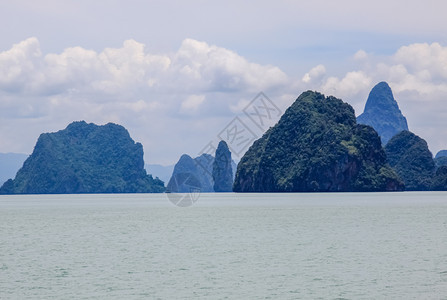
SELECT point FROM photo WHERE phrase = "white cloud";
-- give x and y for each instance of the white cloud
(213, 68)
(424, 57)
(315, 74)
(126, 85)
(360, 55)
(192, 103)
(196, 66)
(350, 85)
(20, 65)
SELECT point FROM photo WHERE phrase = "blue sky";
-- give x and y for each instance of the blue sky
(175, 73)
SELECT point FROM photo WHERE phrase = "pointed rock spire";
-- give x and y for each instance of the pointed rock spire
(222, 169)
(382, 113)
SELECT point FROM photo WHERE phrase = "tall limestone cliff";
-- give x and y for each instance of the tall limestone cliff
(222, 169)
(316, 147)
(382, 113)
(84, 158)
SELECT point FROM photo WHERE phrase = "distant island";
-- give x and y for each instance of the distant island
(84, 158)
(205, 173)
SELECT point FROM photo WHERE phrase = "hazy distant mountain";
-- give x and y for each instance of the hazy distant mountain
(84, 158)
(194, 174)
(316, 147)
(160, 171)
(10, 163)
(382, 113)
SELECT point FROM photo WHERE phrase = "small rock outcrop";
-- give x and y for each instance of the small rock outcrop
(84, 158)
(382, 113)
(316, 147)
(441, 158)
(442, 153)
(222, 169)
(409, 155)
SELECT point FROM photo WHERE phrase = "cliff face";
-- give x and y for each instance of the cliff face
(316, 147)
(409, 155)
(84, 158)
(222, 169)
(382, 113)
(440, 179)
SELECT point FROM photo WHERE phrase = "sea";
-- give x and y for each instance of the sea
(225, 246)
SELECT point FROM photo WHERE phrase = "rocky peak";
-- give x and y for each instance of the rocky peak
(382, 113)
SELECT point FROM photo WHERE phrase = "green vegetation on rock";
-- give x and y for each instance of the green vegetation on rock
(316, 147)
(409, 155)
(440, 179)
(84, 158)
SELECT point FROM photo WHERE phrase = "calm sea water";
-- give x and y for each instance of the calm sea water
(227, 246)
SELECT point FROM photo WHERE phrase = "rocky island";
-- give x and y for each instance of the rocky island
(84, 158)
(317, 146)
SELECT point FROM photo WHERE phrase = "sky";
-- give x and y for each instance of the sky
(179, 74)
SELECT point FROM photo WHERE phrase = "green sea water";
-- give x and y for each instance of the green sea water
(226, 246)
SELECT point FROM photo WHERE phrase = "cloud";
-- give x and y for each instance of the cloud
(127, 85)
(360, 55)
(20, 65)
(350, 85)
(196, 66)
(315, 74)
(212, 68)
(192, 103)
(431, 58)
